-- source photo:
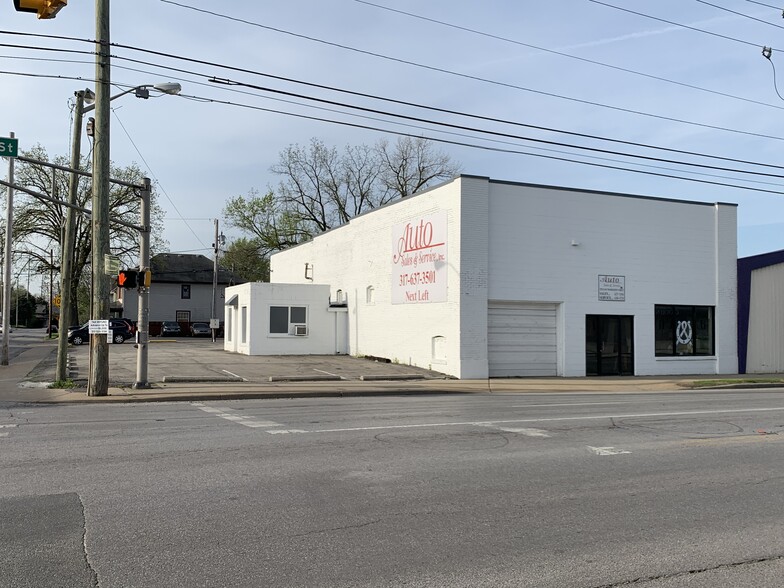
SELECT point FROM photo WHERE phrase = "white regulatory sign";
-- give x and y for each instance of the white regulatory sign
(99, 327)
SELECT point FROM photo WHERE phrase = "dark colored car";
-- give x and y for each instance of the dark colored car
(131, 324)
(121, 331)
(170, 328)
(201, 330)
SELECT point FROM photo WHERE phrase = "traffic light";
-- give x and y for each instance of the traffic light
(127, 279)
(43, 8)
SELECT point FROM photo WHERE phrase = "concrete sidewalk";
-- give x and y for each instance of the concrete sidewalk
(27, 377)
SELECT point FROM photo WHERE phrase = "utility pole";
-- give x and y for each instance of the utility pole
(67, 251)
(213, 316)
(98, 382)
(143, 322)
(51, 291)
(7, 259)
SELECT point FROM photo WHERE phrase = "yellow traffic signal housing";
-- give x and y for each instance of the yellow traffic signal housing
(43, 8)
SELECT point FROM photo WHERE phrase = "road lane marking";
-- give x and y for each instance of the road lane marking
(526, 432)
(569, 404)
(233, 375)
(547, 420)
(8, 426)
(286, 431)
(607, 450)
(328, 373)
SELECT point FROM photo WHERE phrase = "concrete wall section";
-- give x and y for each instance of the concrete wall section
(726, 246)
(257, 298)
(472, 260)
(359, 260)
(551, 245)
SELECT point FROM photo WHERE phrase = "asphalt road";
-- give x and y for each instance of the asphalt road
(567, 490)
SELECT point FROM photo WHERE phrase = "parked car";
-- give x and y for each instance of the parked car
(200, 330)
(170, 328)
(78, 335)
(120, 332)
(131, 324)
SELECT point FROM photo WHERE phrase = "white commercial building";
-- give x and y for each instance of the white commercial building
(478, 278)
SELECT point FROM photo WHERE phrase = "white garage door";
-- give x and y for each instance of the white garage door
(521, 339)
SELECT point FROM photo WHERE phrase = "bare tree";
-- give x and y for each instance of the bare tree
(321, 189)
(411, 165)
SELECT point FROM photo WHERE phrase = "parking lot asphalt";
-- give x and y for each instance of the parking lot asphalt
(187, 368)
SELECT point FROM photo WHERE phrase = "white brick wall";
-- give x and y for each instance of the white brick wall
(356, 256)
(666, 250)
(512, 242)
(258, 297)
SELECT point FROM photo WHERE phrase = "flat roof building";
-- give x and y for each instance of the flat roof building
(481, 278)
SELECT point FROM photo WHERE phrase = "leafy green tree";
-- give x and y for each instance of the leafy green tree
(245, 258)
(39, 224)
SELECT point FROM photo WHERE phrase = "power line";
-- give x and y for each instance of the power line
(621, 154)
(442, 110)
(763, 4)
(450, 72)
(494, 149)
(481, 130)
(452, 133)
(321, 86)
(740, 14)
(177, 210)
(677, 24)
(775, 83)
(570, 56)
(489, 132)
(496, 120)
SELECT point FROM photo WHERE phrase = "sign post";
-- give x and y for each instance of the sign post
(9, 147)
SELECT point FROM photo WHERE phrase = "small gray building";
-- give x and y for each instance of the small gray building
(181, 291)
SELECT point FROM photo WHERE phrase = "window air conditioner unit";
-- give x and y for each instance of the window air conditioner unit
(300, 330)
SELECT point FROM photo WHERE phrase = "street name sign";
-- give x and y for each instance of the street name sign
(9, 147)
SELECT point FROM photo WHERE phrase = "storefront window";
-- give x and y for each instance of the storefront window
(684, 330)
(288, 320)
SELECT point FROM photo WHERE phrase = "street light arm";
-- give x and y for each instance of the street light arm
(167, 88)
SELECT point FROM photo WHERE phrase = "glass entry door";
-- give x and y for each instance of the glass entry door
(609, 347)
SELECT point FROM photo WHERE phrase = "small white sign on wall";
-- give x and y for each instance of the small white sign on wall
(98, 327)
(612, 288)
(419, 263)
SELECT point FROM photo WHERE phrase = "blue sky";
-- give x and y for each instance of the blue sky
(522, 61)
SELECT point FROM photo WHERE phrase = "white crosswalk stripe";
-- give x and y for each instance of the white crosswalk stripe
(607, 450)
(247, 421)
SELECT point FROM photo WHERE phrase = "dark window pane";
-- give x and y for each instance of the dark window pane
(703, 330)
(664, 330)
(279, 319)
(684, 330)
(298, 314)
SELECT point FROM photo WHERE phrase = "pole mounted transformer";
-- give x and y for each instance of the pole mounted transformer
(43, 8)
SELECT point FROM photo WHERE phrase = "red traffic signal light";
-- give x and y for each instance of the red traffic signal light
(128, 279)
(43, 8)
